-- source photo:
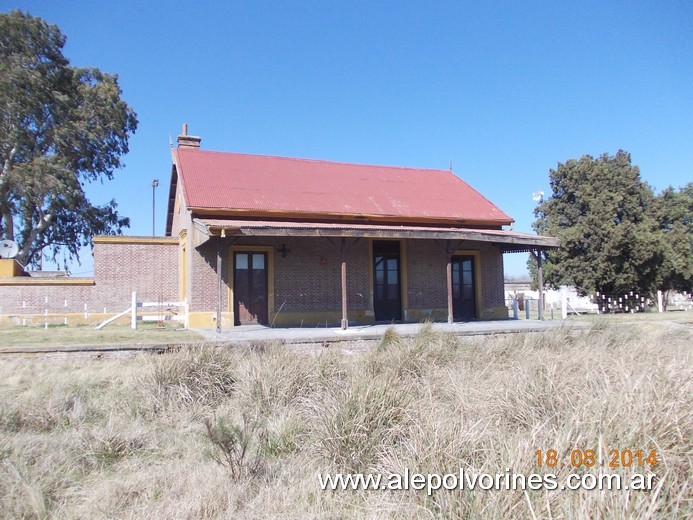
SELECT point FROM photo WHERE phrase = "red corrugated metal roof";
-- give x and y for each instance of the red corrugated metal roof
(216, 180)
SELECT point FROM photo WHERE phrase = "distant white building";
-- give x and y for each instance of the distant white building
(552, 297)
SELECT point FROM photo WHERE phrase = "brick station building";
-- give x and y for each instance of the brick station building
(295, 242)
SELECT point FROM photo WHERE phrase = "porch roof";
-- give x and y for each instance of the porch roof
(508, 241)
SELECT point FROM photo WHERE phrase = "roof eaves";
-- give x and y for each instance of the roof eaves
(509, 241)
(236, 212)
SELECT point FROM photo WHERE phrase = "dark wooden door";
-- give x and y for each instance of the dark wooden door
(387, 298)
(250, 288)
(463, 288)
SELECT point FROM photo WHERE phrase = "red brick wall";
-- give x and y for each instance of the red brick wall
(427, 276)
(119, 269)
(493, 293)
(57, 299)
(309, 278)
(306, 280)
(149, 269)
(304, 284)
(203, 278)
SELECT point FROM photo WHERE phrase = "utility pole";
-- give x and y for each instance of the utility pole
(155, 183)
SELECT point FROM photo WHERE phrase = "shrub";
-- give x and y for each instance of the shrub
(237, 447)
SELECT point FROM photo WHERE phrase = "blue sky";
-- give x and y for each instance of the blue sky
(504, 90)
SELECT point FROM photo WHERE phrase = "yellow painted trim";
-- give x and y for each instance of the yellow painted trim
(478, 289)
(67, 318)
(497, 312)
(207, 320)
(182, 269)
(27, 280)
(189, 249)
(9, 267)
(73, 318)
(118, 239)
(270, 277)
(427, 314)
(182, 264)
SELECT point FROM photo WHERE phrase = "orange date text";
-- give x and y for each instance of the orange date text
(588, 458)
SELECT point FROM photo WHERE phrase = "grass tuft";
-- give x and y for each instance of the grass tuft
(358, 422)
(200, 375)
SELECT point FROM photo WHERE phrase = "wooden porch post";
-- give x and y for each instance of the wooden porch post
(345, 320)
(449, 283)
(540, 284)
(218, 284)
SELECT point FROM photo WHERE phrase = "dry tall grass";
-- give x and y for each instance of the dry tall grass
(242, 433)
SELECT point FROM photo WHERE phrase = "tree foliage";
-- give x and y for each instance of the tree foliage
(673, 212)
(610, 241)
(60, 128)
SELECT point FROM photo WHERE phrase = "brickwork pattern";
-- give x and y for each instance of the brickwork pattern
(203, 275)
(56, 299)
(119, 269)
(307, 279)
(493, 294)
(149, 269)
(427, 277)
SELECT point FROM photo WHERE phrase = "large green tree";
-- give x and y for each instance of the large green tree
(61, 127)
(673, 211)
(610, 243)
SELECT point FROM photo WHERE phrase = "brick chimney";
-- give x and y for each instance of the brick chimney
(188, 141)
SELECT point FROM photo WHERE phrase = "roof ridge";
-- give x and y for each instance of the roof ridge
(303, 159)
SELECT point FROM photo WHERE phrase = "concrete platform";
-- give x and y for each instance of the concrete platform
(356, 338)
(295, 335)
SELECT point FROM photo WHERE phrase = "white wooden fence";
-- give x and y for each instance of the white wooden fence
(156, 311)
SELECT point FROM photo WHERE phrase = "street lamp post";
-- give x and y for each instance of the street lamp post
(155, 183)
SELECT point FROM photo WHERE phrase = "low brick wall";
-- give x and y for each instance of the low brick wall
(121, 265)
